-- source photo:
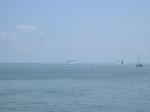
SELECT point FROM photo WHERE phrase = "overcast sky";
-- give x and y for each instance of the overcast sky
(85, 30)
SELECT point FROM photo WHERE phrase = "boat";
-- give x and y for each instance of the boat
(119, 62)
(138, 62)
(72, 61)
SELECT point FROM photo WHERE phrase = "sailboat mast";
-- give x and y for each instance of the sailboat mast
(138, 60)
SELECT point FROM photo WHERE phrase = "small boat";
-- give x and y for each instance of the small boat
(138, 62)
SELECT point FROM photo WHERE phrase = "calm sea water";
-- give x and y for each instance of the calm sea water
(74, 88)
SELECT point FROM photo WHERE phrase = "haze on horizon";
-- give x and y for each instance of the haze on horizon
(85, 30)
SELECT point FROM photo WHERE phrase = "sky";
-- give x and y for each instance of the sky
(89, 31)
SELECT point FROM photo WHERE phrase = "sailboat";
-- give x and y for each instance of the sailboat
(138, 62)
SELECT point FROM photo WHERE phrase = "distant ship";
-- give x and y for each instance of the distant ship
(119, 62)
(72, 61)
(138, 62)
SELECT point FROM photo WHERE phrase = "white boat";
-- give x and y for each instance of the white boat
(72, 61)
(119, 62)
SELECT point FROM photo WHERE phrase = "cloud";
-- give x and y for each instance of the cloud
(25, 28)
(90, 47)
(46, 44)
(41, 32)
(28, 29)
(82, 35)
(20, 30)
(5, 34)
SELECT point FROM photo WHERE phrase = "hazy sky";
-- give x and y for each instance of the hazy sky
(85, 30)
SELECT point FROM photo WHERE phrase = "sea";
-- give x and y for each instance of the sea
(44, 87)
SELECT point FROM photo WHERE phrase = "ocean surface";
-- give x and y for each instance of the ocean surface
(74, 88)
